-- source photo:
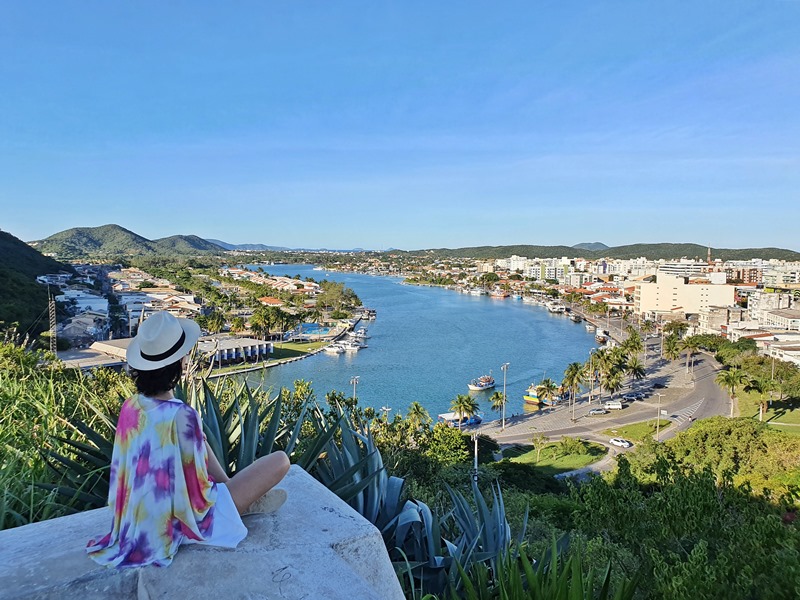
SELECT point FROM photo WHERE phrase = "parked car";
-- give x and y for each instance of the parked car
(597, 411)
(620, 442)
(630, 397)
(613, 405)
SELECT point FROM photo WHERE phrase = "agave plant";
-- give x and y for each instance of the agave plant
(517, 577)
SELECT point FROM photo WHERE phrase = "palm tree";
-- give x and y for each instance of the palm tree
(547, 389)
(633, 344)
(635, 369)
(760, 385)
(671, 347)
(497, 400)
(612, 380)
(464, 406)
(417, 415)
(573, 376)
(690, 345)
(731, 378)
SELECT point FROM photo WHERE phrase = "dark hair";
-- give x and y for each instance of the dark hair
(157, 381)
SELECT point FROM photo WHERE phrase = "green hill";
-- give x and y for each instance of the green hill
(184, 244)
(111, 241)
(22, 300)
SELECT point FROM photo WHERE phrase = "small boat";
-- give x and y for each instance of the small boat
(484, 382)
(334, 349)
(575, 318)
(600, 338)
(590, 328)
(452, 419)
(556, 307)
(498, 294)
(531, 396)
(352, 346)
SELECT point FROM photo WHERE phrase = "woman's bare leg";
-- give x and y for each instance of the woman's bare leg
(256, 480)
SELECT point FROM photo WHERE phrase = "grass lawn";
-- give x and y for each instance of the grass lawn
(551, 462)
(790, 429)
(293, 349)
(637, 431)
(781, 411)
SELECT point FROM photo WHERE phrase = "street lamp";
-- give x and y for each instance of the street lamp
(504, 368)
(591, 375)
(354, 383)
(385, 410)
(658, 415)
(475, 459)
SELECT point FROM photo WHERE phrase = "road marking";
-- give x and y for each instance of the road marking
(686, 414)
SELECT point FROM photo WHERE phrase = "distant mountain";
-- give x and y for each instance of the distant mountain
(591, 246)
(248, 247)
(659, 251)
(23, 300)
(114, 241)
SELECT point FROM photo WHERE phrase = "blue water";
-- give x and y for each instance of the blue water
(428, 343)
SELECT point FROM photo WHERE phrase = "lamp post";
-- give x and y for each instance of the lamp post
(591, 375)
(658, 415)
(504, 368)
(475, 458)
(354, 382)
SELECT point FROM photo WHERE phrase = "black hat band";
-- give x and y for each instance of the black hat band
(168, 353)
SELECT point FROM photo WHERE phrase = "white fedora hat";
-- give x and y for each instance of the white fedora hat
(162, 340)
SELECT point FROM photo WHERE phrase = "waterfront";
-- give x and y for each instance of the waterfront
(427, 343)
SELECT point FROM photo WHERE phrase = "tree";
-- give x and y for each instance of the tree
(417, 415)
(635, 369)
(671, 347)
(731, 379)
(237, 324)
(573, 376)
(690, 345)
(464, 406)
(539, 441)
(498, 401)
(547, 390)
(760, 385)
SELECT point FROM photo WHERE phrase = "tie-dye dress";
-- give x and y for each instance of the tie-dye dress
(160, 492)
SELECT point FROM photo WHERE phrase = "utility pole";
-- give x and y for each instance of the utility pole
(658, 415)
(504, 368)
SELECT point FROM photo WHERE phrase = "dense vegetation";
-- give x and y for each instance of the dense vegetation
(22, 300)
(708, 514)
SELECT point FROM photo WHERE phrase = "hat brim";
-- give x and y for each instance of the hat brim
(134, 352)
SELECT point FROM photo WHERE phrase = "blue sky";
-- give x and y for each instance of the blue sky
(404, 124)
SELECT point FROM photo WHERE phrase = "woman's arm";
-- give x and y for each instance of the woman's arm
(214, 468)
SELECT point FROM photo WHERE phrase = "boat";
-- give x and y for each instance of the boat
(454, 419)
(498, 294)
(484, 382)
(600, 337)
(531, 396)
(334, 349)
(575, 318)
(556, 307)
(590, 328)
(476, 292)
(352, 345)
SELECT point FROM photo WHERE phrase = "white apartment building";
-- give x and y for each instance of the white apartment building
(683, 267)
(787, 318)
(715, 319)
(760, 302)
(676, 294)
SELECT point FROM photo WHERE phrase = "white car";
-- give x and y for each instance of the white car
(598, 411)
(620, 442)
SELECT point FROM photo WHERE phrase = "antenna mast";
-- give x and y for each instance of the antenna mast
(52, 311)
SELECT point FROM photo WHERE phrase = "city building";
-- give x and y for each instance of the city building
(671, 294)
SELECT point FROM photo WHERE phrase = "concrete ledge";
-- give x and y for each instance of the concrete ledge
(314, 546)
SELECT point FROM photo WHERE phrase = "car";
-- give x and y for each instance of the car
(640, 395)
(620, 442)
(613, 405)
(630, 397)
(597, 411)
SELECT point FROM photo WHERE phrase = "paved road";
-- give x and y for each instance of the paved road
(685, 397)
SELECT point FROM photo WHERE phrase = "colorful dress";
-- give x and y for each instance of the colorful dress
(161, 494)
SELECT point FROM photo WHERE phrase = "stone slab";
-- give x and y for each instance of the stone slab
(313, 546)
